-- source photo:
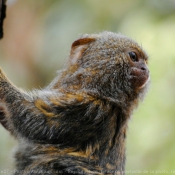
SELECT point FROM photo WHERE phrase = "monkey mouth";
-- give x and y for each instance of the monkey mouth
(139, 77)
(145, 83)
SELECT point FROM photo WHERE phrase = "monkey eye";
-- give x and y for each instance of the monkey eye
(133, 56)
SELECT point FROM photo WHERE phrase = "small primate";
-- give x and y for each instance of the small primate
(78, 123)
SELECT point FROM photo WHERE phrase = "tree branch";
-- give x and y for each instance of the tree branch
(2, 16)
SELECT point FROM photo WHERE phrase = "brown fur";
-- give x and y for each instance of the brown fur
(77, 124)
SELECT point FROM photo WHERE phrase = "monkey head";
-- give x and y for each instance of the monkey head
(109, 65)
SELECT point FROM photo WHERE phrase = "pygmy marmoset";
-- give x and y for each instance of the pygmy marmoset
(77, 124)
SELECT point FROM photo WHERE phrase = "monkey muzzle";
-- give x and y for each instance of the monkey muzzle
(139, 75)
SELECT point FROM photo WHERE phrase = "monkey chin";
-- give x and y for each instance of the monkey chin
(145, 84)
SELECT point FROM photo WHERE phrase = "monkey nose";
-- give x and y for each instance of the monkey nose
(143, 68)
(139, 75)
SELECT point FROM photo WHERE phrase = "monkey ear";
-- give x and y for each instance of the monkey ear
(78, 47)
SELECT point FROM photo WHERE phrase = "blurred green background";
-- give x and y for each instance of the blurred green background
(37, 39)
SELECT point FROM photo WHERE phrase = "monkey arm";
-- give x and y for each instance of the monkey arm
(27, 115)
(42, 116)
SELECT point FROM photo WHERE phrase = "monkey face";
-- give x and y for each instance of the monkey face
(139, 73)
